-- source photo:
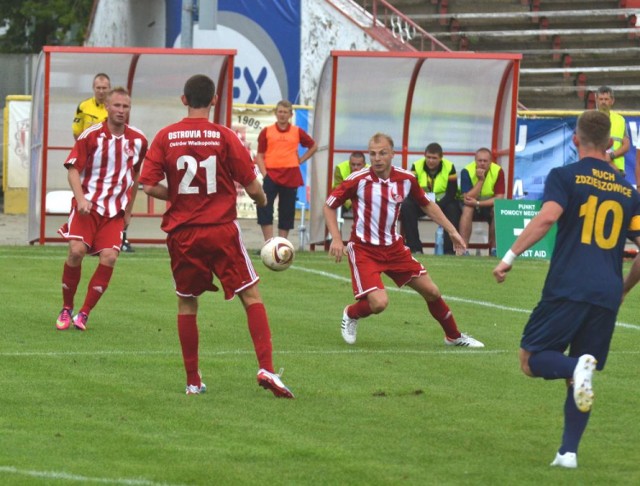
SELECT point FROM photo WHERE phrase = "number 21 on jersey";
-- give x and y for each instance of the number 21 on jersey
(191, 166)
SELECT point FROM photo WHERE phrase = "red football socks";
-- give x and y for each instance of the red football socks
(359, 309)
(97, 287)
(441, 313)
(70, 280)
(261, 335)
(188, 335)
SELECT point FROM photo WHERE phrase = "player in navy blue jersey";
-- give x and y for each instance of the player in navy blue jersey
(596, 210)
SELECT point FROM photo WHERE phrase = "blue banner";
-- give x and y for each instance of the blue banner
(266, 35)
(302, 120)
(545, 143)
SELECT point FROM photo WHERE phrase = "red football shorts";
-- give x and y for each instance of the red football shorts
(97, 232)
(369, 262)
(200, 252)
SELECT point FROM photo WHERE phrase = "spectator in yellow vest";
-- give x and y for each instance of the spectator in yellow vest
(92, 110)
(481, 183)
(279, 163)
(619, 135)
(438, 177)
(345, 169)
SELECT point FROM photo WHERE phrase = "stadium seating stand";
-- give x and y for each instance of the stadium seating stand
(569, 47)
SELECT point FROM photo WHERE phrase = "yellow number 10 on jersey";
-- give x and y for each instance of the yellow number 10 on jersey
(595, 216)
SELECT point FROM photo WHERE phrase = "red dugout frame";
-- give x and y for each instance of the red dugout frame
(154, 77)
(462, 100)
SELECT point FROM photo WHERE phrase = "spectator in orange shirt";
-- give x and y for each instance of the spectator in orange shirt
(279, 164)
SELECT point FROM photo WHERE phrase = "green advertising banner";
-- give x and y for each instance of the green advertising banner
(511, 218)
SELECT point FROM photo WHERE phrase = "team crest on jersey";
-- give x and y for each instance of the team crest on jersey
(129, 151)
(396, 197)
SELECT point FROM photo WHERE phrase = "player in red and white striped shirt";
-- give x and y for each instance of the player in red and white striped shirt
(103, 169)
(375, 246)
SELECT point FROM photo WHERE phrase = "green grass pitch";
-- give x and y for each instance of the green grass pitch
(107, 406)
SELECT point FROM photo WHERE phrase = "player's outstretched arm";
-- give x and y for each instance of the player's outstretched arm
(436, 214)
(134, 191)
(255, 192)
(75, 183)
(336, 249)
(158, 191)
(533, 232)
(538, 227)
(500, 272)
(260, 163)
(633, 277)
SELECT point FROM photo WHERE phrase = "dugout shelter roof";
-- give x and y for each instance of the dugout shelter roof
(154, 77)
(461, 100)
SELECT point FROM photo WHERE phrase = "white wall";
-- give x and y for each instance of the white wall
(128, 23)
(141, 23)
(325, 29)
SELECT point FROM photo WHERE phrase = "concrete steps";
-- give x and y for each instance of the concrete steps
(574, 45)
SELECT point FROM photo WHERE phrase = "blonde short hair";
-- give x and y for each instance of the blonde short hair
(378, 137)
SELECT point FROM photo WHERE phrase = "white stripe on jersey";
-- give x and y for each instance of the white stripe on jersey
(405, 171)
(376, 203)
(137, 130)
(245, 254)
(108, 190)
(380, 205)
(357, 173)
(90, 129)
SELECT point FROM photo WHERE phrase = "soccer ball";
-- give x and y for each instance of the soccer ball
(277, 254)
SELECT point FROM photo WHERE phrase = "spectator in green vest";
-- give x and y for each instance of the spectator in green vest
(438, 177)
(345, 169)
(481, 183)
(619, 135)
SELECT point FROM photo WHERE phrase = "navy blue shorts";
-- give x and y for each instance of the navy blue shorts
(286, 204)
(561, 324)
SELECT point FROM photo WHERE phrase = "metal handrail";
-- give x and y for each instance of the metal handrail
(569, 89)
(597, 69)
(410, 31)
(537, 32)
(579, 50)
(605, 12)
(403, 27)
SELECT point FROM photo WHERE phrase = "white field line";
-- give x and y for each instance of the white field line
(239, 352)
(345, 279)
(453, 351)
(446, 297)
(144, 482)
(74, 477)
